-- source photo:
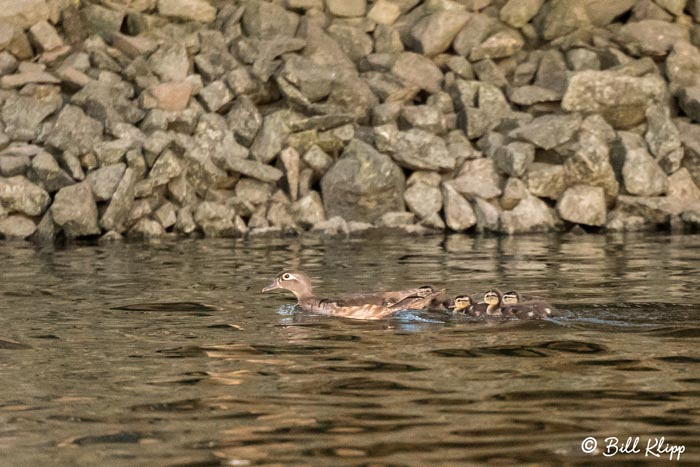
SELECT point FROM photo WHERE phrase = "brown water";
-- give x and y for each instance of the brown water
(167, 354)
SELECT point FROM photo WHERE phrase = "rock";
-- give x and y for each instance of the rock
(45, 36)
(171, 96)
(528, 95)
(146, 228)
(424, 117)
(354, 41)
(8, 63)
(45, 230)
(434, 33)
(347, 8)
(603, 12)
(335, 226)
(308, 210)
(101, 20)
(187, 10)
(683, 65)
(419, 150)
(271, 137)
(590, 165)
(654, 37)
(384, 12)
(14, 165)
(253, 169)
(513, 191)
(416, 70)
(478, 177)
(548, 131)
(318, 160)
(244, 120)
(290, 160)
(621, 99)
(663, 138)
(653, 209)
(104, 181)
(582, 59)
(185, 221)
(459, 215)
(487, 215)
(620, 221)
(500, 45)
(546, 180)
(476, 30)
(166, 215)
(682, 190)
(215, 96)
(363, 184)
(583, 204)
(265, 20)
(115, 216)
(636, 168)
(560, 17)
(517, 13)
(530, 215)
(75, 211)
(170, 62)
(216, 220)
(49, 173)
(16, 227)
(422, 199)
(74, 130)
(514, 158)
(279, 215)
(30, 77)
(17, 194)
(23, 115)
(395, 219)
(481, 107)
(110, 105)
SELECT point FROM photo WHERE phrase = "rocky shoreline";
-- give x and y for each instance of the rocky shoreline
(147, 118)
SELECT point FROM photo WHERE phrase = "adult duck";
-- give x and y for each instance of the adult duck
(376, 305)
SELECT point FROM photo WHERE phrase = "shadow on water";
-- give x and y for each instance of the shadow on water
(167, 354)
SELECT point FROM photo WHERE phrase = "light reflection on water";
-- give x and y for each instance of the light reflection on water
(167, 354)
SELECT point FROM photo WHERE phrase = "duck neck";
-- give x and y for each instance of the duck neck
(303, 295)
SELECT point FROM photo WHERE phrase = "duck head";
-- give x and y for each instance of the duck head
(511, 298)
(494, 298)
(296, 282)
(462, 303)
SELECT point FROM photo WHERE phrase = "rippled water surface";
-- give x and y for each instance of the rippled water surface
(168, 354)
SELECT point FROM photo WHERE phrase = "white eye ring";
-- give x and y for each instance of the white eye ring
(286, 276)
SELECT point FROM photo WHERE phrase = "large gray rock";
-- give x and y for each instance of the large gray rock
(170, 62)
(653, 209)
(560, 17)
(654, 37)
(683, 190)
(423, 200)
(583, 204)
(267, 19)
(480, 106)
(416, 70)
(517, 13)
(434, 33)
(346, 7)
(635, 167)
(419, 150)
(488, 215)
(530, 215)
(546, 180)
(363, 184)
(216, 219)
(308, 210)
(108, 103)
(117, 212)
(74, 130)
(548, 131)
(590, 165)
(23, 115)
(621, 99)
(459, 215)
(188, 10)
(46, 170)
(75, 211)
(663, 138)
(354, 41)
(17, 194)
(271, 137)
(502, 44)
(104, 181)
(146, 228)
(683, 65)
(690, 138)
(16, 227)
(244, 120)
(514, 158)
(478, 177)
(474, 33)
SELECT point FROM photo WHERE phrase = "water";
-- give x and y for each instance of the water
(167, 354)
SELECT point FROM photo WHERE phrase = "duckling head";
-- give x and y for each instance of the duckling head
(462, 302)
(493, 297)
(296, 282)
(511, 297)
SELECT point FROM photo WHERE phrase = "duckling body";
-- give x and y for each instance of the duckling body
(376, 305)
(489, 308)
(514, 308)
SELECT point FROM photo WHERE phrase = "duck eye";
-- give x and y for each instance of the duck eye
(286, 276)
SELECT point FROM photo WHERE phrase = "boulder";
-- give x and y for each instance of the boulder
(244, 120)
(422, 199)
(546, 180)
(75, 211)
(266, 19)
(488, 215)
(683, 191)
(419, 150)
(74, 130)
(459, 215)
(517, 13)
(583, 204)
(548, 131)
(663, 138)
(51, 176)
(434, 33)
(187, 10)
(530, 215)
(146, 228)
(115, 216)
(23, 115)
(590, 165)
(308, 210)
(216, 220)
(363, 184)
(419, 71)
(502, 44)
(478, 177)
(104, 181)
(17, 194)
(653, 37)
(346, 8)
(635, 167)
(514, 158)
(16, 227)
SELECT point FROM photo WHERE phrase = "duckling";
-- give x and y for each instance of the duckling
(526, 310)
(490, 307)
(358, 306)
(462, 304)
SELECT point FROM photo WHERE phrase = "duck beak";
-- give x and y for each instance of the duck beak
(275, 285)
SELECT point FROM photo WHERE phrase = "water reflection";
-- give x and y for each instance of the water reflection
(167, 354)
